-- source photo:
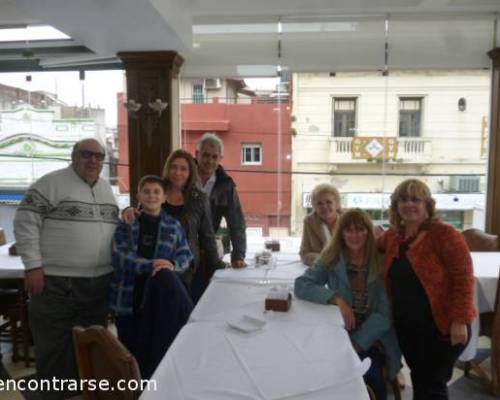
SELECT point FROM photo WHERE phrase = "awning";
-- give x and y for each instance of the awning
(10, 198)
(376, 201)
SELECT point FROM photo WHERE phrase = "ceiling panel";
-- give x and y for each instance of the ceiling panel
(459, 41)
(10, 14)
(327, 44)
(232, 46)
(287, 8)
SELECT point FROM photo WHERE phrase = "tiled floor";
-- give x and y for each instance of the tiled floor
(461, 388)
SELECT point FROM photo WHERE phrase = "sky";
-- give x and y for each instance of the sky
(99, 89)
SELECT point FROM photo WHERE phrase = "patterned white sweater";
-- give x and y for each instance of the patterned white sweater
(66, 226)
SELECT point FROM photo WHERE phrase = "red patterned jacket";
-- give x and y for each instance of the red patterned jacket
(443, 264)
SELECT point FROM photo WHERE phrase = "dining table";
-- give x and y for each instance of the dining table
(11, 267)
(233, 348)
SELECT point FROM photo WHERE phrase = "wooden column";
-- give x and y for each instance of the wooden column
(493, 189)
(151, 136)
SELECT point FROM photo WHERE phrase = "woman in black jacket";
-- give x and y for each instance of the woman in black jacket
(186, 202)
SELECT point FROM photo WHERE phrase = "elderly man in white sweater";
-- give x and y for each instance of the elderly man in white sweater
(64, 229)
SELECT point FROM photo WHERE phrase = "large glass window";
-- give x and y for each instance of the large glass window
(361, 102)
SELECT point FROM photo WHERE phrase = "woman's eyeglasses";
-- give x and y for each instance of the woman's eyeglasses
(413, 199)
(87, 155)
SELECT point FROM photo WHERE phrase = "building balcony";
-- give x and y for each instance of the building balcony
(361, 149)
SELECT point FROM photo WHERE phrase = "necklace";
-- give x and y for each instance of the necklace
(404, 243)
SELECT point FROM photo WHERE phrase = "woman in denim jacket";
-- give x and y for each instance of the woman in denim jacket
(348, 274)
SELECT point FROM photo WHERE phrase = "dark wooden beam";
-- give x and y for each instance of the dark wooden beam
(493, 189)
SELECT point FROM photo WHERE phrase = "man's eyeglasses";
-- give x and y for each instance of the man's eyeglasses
(87, 155)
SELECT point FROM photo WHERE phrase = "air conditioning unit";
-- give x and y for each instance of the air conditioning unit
(464, 184)
(213, 83)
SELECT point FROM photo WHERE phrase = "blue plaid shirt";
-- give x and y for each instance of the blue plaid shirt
(171, 245)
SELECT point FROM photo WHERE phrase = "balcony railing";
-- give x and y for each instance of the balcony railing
(341, 150)
(414, 150)
(233, 100)
(343, 145)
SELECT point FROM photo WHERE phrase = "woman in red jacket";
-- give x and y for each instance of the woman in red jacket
(429, 276)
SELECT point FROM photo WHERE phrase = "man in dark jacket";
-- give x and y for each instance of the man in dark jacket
(221, 191)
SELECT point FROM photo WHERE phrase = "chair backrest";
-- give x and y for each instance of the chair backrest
(101, 356)
(2, 237)
(477, 240)
(495, 345)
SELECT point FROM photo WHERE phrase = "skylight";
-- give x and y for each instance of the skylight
(31, 33)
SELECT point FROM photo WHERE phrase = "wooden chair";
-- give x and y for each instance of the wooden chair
(396, 389)
(370, 393)
(489, 324)
(477, 240)
(2, 237)
(100, 355)
(15, 326)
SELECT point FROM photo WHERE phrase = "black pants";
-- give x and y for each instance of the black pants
(63, 304)
(430, 357)
(374, 377)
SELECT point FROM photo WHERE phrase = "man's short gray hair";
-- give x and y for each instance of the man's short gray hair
(213, 139)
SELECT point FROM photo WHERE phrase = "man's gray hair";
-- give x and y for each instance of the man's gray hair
(82, 141)
(212, 139)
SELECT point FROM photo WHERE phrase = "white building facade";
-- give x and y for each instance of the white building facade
(35, 141)
(366, 132)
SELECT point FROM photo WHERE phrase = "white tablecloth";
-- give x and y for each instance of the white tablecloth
(211, 362)
(486, 269)
(10, 266)
(303, 354)
(224, 300)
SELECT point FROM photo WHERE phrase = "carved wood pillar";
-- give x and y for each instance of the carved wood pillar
(152, 134)
(493, 189)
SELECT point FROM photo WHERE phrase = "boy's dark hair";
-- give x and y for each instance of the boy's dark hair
(152, 179)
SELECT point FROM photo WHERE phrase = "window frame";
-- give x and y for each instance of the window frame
(420, 100)
(251, 146)
(198, 96)
(344, 113)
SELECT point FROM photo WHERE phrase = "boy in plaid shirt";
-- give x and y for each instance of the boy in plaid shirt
(148, 297)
